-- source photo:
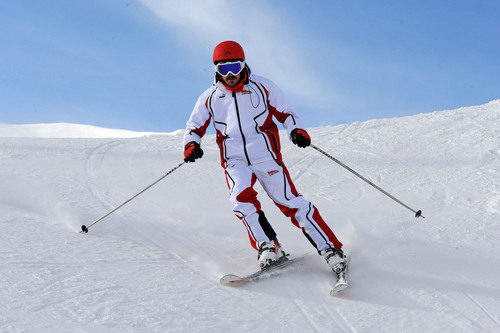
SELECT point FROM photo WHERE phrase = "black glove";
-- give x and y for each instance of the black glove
(300, 138)
(192, 151)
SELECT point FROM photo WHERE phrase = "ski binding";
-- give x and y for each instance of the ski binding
(342, 279)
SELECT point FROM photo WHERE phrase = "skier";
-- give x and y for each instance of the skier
(241, 107)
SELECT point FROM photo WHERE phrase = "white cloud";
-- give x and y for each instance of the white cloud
(268, 38)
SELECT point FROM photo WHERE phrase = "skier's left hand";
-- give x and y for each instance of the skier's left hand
(300, 137)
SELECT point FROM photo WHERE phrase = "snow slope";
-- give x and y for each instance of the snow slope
(154, 265)
(65, 130)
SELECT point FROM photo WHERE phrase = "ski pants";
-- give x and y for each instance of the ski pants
(276, 181)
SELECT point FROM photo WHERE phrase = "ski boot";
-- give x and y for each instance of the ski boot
(270, 253)
(335, 259)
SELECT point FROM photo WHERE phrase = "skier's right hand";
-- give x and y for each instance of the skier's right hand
(192, 151)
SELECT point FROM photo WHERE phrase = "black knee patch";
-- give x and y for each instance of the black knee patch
(264, 223)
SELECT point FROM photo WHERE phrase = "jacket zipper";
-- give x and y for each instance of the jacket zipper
(241, 129)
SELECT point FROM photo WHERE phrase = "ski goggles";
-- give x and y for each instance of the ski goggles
(233, 67)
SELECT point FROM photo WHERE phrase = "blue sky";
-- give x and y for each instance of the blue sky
(141, 64)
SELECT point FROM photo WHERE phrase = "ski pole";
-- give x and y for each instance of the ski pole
(417, 213)
(85, 229)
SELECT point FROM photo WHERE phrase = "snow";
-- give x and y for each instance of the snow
(64, 130)
(154, 265)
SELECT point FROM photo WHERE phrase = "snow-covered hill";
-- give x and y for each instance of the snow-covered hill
(155, 264)
(64, 130)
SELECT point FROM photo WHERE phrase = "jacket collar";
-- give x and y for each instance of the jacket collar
(236, 88)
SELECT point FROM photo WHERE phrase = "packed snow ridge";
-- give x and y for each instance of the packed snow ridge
(154, 265)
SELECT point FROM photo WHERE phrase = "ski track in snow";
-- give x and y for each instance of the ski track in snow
(483, 309)
(154, 265)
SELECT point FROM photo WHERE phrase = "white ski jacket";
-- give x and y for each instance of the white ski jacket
(243, 120)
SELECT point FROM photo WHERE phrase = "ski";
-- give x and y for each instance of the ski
(233, 280)
(342, 281)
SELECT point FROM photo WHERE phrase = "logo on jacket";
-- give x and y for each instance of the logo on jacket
(222, 96)
(270, 173)
(245, 92)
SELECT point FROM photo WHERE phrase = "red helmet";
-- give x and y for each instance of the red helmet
(228, 50)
